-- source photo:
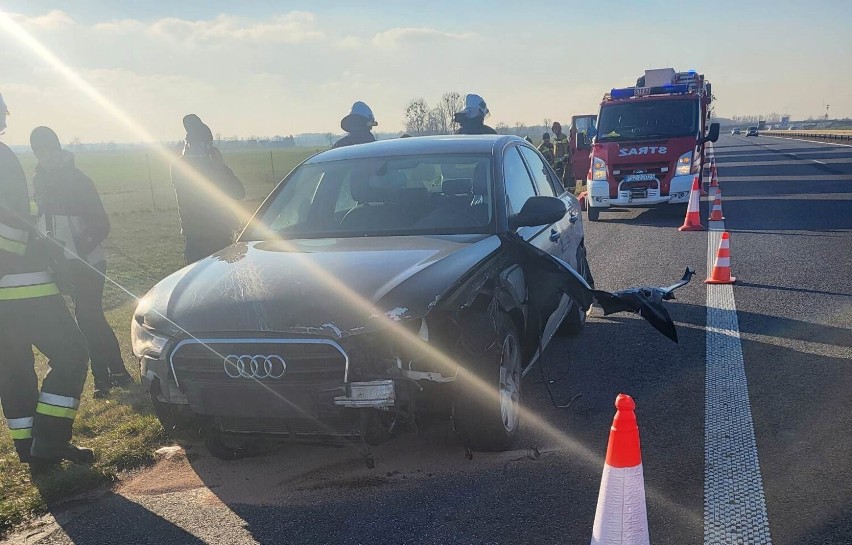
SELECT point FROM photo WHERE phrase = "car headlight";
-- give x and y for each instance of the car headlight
(144, 341)
(598, 169)
(684, 164)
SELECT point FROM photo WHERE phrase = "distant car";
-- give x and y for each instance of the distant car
(736, 131)
(792, 128)
(305, 326)
(751, 131)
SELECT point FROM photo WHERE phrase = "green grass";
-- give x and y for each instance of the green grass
(144, 246)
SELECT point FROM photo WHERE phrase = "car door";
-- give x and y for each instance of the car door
(519, 187)
(546, 308)
(562, 233)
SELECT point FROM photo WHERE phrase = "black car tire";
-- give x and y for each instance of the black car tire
(594, 213)
(227, 448)
(480, 417)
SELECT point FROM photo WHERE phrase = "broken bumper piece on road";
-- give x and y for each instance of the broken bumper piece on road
(376, 394)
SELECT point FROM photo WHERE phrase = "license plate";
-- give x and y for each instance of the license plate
(639, 177)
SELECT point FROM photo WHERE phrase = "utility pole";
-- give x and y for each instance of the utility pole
(827, 106)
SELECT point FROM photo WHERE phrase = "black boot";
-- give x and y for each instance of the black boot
(122, 378)
(102, 389)
(67, 451)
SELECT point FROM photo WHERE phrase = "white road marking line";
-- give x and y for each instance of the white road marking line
(818, 162)
(809, 141)
(734, 505)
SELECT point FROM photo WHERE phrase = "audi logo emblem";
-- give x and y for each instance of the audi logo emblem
(256, 367)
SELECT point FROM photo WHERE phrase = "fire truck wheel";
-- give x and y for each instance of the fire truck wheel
(594, 213)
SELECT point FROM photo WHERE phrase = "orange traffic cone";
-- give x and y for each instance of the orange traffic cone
(716, 213)
(714, 174)
(692, 222)
(722, 267)
(621, 515)
(582, 198)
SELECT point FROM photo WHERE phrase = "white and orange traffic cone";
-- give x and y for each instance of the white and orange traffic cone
(714, 174)
(621, 516)
(716, 213)
(582, 198)
(692, 222)
(722, 267)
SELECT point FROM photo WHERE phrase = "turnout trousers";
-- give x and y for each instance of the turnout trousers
(87, 294)
(44, 417)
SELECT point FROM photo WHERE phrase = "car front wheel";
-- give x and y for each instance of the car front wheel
(487, 404)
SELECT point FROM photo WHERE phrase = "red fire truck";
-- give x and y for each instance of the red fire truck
(649, 141)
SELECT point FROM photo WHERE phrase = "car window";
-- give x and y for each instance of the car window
(421, 194)
(539, 172)
(519, 187)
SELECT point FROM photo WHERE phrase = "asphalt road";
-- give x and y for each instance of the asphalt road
(788, 206)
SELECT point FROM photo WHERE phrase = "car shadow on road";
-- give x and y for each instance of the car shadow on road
(661, 216)
(112, 519)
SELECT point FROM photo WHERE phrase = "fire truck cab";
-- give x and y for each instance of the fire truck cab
(649, 142)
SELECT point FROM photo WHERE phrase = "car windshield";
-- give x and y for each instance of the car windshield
(648, 119)
(406, 195)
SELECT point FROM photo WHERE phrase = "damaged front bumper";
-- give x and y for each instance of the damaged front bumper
(375, 394)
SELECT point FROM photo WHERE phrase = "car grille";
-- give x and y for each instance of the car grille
(302, 395)
(308, 361)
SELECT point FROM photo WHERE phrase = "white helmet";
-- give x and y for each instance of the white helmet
(474, 106)
(359, 108)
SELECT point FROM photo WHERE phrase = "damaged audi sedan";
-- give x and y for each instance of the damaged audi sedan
(377, 285)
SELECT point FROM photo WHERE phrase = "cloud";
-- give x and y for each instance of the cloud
(396, 37)
(290, 28)
(51, 20)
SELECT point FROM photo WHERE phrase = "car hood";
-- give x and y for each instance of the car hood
(664, 150)
(330, 287)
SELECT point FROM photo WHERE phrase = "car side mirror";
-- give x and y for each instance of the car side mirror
(713, 133)
(540, 210)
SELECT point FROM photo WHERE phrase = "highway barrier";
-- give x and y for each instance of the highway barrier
(828, 136)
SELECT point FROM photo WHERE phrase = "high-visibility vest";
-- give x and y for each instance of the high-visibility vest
(23, 283)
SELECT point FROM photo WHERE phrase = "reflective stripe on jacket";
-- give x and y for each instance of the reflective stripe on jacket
(27, 286)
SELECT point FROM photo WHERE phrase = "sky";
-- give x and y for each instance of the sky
(265, 68)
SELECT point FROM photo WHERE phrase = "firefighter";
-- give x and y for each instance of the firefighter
(33, 313)
(71, 212)
(471, 120)
(561, 153)
(205, 188)
(358, 124)
(546, 147)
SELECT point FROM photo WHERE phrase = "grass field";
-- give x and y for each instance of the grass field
(144, 246)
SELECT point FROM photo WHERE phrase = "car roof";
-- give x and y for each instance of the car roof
(419, 145)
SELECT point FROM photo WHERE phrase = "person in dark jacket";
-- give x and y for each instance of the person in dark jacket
(33, 313)
(546, 148)
(471, 120)
(71, 213)
(205, 188)
(359, 125)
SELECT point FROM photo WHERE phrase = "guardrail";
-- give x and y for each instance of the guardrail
(811, 135)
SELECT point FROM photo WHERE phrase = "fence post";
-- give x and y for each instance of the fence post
(150, 182)
(272, 162)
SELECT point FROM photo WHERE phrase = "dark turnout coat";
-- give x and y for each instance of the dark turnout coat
(205, 188)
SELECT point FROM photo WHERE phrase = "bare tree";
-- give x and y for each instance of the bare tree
(502, 128)
(451, 103)
(416, 117)
(435, 121)
(330, 137)
(547, 123)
